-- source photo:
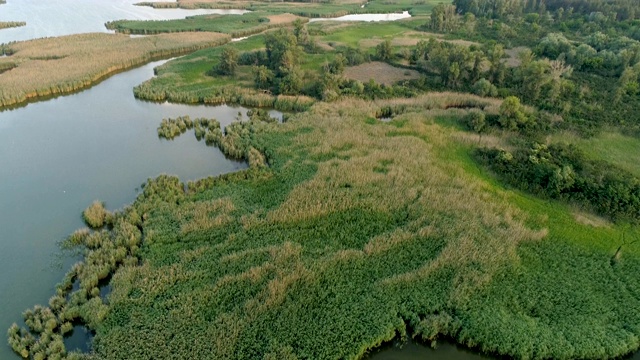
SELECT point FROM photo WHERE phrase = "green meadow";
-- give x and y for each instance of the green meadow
(610, 146)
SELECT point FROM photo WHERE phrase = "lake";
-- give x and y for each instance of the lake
(65, 17)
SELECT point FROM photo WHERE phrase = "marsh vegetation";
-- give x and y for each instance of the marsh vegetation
(463, 215)
(52, 66)
(11, 24)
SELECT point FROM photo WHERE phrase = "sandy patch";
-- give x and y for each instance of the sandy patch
(380, 72)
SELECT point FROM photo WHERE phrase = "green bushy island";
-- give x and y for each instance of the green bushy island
(380, 212)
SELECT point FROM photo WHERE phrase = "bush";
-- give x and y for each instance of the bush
(562, 172)
(95, 215)
(484, 87)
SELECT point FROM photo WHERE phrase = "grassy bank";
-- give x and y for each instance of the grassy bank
(612, 147)
(187, 81)
(234, 25)
(359, 231)
(53, 66)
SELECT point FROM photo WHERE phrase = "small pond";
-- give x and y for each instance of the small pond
(368, 17)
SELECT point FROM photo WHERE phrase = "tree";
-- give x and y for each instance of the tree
(282, 50)
(512, 115)
(263, 77)
(228, 61)
(336, 66)
(291, 83)
(383, 50)
(444, 18)
(300, 32)
(484, 87)
(553, 45)
(476, 121)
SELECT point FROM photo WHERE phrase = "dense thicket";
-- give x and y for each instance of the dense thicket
(615, 9)
(562, 172)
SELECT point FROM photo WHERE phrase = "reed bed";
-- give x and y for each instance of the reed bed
(11, 24)
(358, 231)
(223, 95)
(53, 66)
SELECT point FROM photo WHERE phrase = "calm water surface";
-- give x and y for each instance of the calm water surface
(368, 17)
(415, 351)
(63, 17)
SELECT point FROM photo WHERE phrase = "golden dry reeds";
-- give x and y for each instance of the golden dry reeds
(52, 66)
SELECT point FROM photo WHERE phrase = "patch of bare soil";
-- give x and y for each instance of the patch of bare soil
(380, 72)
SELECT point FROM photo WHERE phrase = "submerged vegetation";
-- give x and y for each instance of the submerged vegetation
(391, 205)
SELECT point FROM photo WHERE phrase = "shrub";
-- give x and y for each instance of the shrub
(484, 87)
(95, 214)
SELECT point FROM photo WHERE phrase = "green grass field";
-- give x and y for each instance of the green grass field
(234, 25)
(612, 147)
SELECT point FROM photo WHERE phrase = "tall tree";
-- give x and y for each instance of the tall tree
(228, 61)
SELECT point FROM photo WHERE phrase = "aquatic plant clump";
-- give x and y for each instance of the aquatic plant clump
(96, 215)
(233, 141)
(11, 24)
(104, 252)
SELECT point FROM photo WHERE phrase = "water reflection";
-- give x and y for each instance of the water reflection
(368, 17)
(64, 17)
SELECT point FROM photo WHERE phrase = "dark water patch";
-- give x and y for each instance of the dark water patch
(79, 339)
(105, 290)
(413, 350)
